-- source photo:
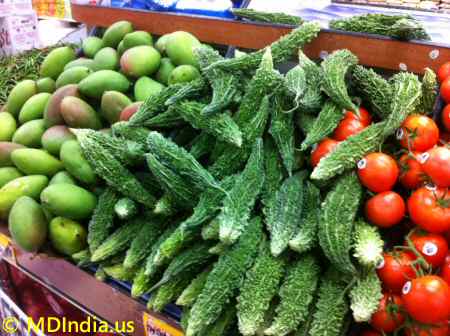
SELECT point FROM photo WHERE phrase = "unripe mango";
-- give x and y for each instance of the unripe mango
(116, 32)
(52, 113)
(46, 84)
(73, 75)
(91, 46)
(137, 38)
(113, 102)
(67, 236)
(8, 174)
(76, 164)
(6, 148)
(82, 61)
(106, 59)
(120, 49)
(54, 137)
(79, 114)
(140, 61)
(36, 162)
(19, 95)
(27, 224)
(145, 87)
(128, 111)
(54, 63)
(101, 81)
(31, 186)
(62, 177)
(8, 126)
(164, 71)
(30, 133)
(161, 44)
(183, 74)
(34, 107)
(180, 47)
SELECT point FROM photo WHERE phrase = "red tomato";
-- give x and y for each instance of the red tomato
(324, 147)
(364, 116)
(445, 90)
(432, 247)
(436, 164)
(430, 209)
(411, 173)
(446, 117)
(444, 71)
(378, 172)
(348, 127)
(445, 269)
(370, 333)
(445, 137)
(427, 299)
(385, 209)
(438, 330)
(388, 317)
(418, 133)
(396, 269)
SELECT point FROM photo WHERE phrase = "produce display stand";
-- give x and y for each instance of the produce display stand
(112, 303)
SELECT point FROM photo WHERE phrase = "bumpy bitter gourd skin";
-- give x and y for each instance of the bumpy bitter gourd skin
(259, 287)
(430, 89)
(201, 145)
(335, 68)
(305, 237)
(122, 129)
(191, 292)
(126, 208)
(240, 200)
(225, 278)
(102, 219)
(111, 170)
(167, 119)
(168, 292)
(365, 296)
(368, 244)
(255, 15)
(301, 281)
(142, 283)
(223, 324)
(336, 223)
(193, 89)
(312, 99)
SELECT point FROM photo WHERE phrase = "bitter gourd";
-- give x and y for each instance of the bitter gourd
(82, 258)
(285, 212)
(201, 145)
(255, 15)
(142, 243)
(126, 208)
(223, 324)
(224, 279)
(301, 282)
(335, 68)
(219, 248)
(211, 230)
(304, 122)
(122, 129)
(191, 292)
(119, 241)
(325, 123)
(365, 296)
(429, 91)
(119, 272)
(367, 245)
(336, 223)
(222, 126)
(167, 119)
(374, 89)
(102, 219)
(331, 307)
(312, 99)
(142, 283)
(241, 199)
(306, 235)
(111, 170)
(168, 292)
(296, 83)
(190, 90)
(259, 287)
(282, 49)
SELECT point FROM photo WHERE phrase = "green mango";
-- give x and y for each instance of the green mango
(82, 61)
(164, 71)
(8, 126)
(76, 164)
(68, 200)
(6, 148)
(30, 133)
(36, 162)
(74, 75)
(91, 46)
(137, 38)
(52, 113)
(67, 236)
(31, 186)
(46, 84)
(145, 87)
(54, 137)
(106, 59)
(27, 224)
(23, 91)
(128, 111)
(183, 74)
(62, 177)
(79, 114)
(116, 32)
(161, 44)
(54, 63)
(8, 174)
(34, 107)
(97, 83)
(140, 61)
(112, 104)
(180, 47)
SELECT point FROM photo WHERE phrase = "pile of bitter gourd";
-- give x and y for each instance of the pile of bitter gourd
(233, 224)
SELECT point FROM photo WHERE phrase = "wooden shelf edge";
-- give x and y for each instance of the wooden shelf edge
(372, 51)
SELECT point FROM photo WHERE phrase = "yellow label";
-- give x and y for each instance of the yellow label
(5, 241)
(156, 327)
(6, 248)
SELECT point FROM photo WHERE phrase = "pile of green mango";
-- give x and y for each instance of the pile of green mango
(48, 190)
